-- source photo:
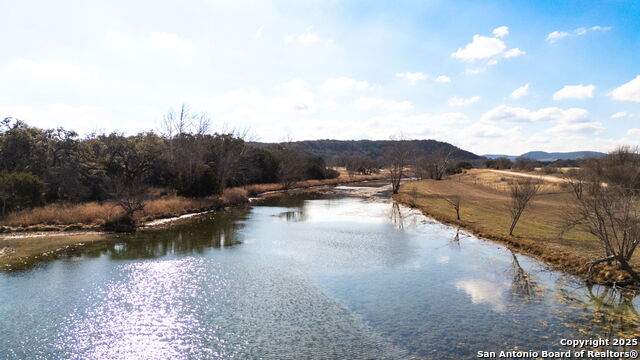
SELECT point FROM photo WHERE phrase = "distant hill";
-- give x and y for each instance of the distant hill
(553, 156)
(331, 150)
(497, 156)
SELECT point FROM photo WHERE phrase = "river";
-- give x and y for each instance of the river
(311, 276)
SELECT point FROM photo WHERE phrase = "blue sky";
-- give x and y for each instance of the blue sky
(489, 76)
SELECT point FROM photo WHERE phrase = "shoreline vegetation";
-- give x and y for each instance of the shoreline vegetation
(54, 228)
(483, 200)
(93, 216)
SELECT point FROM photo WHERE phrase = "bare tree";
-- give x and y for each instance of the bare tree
(398, 155)
(228, 154)
(577, 180)
(202, 124)
(129, 196)
(522, 191)
(454, 200)
(183, 120)
(291, 164)
(177, 122)
(435, 165)
(522, 285)
(610, 209)
(396, 216)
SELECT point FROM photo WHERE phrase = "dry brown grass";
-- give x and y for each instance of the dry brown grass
(64, 214)
(98, 214)
(234, 196)
(175, 206)
(484, 211)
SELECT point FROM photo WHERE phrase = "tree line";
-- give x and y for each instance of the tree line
(185, 156)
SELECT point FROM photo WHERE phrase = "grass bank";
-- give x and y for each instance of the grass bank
(42, 232)
(484, 205)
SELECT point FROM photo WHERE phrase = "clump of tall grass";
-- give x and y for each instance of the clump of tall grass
(95, 213)
(174, 206)
(234, 196)
(64, 214)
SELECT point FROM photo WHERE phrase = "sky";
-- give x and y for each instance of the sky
(497, 76)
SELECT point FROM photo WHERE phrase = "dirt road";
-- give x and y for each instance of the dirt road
(549, 178)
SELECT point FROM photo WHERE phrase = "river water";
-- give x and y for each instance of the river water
(313, 276)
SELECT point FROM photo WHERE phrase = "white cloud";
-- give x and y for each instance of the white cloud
(627, 92)
(240, 98)
(482, 47)
(413, 77)
(155, 45)
(501, 31)
(171, 43)
(458, 101)
(294, 95)
(483, 130)
(474, 71)
(307, 38)
(633, 132)
(600, 28)
(342, 83)
(434, 126)
(574, 92)
(80, 118)
(443, 79)
(377, 104)
(576, 128)
(449, 118)
(258, 33)
(554, 36)
(51, 69)
(504, 113)
(514, 52)
(484, 292)
(620, 114)
(520, 92)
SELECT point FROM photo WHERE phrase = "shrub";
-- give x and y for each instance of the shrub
(20, 190)
(524, 163)
(234, 196)
(549, 170)
(201, 183)
(332, 173)
(123, 223)
(499, 163)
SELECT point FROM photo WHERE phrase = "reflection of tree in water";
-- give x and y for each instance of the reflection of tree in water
(295, 215)
(396, 216)
(193, 237)
(455, 241)
(523, 285)
(602, 311)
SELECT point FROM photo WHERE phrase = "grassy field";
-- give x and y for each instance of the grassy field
(484, 210)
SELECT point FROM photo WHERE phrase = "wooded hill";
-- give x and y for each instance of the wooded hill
(551, 156)
(333, 151)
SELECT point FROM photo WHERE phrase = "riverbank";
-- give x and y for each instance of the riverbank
(484, 203)
(56, 228)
